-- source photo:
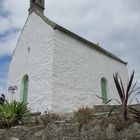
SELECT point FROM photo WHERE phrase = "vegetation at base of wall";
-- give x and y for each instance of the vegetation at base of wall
(83, 115)
(117, 120)
(125, 94)
(49, 118)
(13, 113)
(135, 113)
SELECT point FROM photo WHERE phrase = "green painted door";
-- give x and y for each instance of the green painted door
(104, 90)
(25, 88)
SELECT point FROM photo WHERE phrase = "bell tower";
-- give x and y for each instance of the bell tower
(37, 6)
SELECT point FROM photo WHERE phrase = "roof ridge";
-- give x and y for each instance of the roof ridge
(55, 26)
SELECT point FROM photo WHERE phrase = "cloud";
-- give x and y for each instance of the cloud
(8, 43)
(8, 31)
(113, 24)
(5, 34)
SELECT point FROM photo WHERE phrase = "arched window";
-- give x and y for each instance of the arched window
(25, 84)
(104, 90)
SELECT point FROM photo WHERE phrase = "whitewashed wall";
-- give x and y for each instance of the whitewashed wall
(37, 64)
(78, 70)
(64, 73)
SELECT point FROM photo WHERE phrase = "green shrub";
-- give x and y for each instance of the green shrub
(13, 113)
(83, 115)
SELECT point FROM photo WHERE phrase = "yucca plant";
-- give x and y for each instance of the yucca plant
(125, 94)
(13, 113)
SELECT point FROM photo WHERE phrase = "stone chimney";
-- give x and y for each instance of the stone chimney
(37, 6)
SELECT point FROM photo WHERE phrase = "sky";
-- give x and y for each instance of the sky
(113, 24)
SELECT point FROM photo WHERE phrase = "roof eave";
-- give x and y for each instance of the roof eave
(98, 48)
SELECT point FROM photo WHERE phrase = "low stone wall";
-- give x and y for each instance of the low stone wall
(65, 128)
(107, 108)
(67, 131)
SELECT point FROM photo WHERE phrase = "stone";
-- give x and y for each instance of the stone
(17, 132)
(35, 133)
(87, 132)
(60, 122)
(70, 130)
(132, 132)
(13, 138)
(111, 133)
(3, 134)
(39, 133)
(52, 132)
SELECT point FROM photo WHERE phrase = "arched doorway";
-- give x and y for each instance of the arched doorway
(104, 90)
(25, 85)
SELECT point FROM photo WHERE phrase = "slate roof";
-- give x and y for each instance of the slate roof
(55, 26)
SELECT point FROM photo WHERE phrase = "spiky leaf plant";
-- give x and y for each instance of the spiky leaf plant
(124, 95)
(13, 113)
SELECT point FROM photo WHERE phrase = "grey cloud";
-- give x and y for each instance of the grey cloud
(114, 24)
(3, 12)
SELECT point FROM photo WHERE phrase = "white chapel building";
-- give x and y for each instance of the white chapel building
(55, 69)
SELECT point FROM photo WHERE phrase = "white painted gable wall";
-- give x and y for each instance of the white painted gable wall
(37, 64)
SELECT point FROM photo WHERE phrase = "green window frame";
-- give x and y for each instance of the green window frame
(104, 84)
(25, 85)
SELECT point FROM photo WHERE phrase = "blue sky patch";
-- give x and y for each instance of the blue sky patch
(4, 66)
